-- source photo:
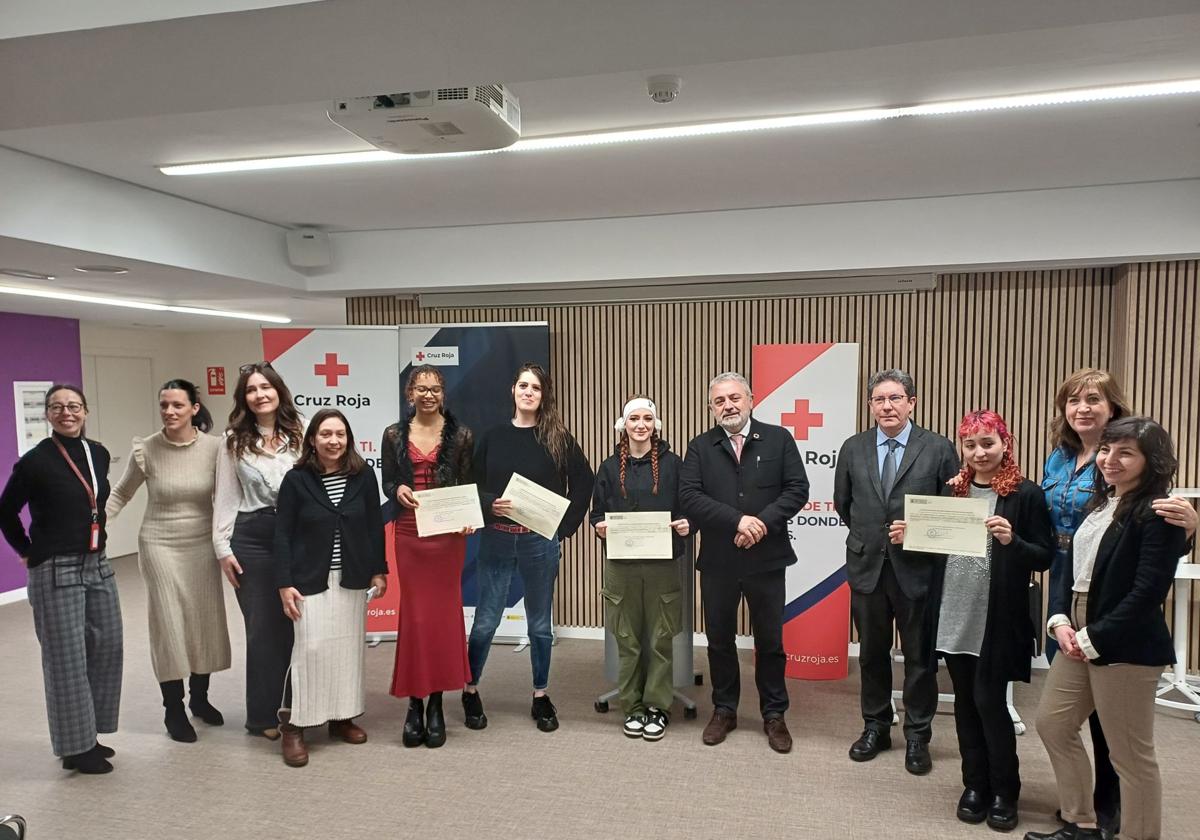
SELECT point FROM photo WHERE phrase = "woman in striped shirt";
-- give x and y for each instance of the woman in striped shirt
(328, 550)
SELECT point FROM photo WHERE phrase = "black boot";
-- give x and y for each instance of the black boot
(198, 701)
(414, 724)
(90, 762)
(176, 719)
(435, 734)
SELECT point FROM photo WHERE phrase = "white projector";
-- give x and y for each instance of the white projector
(423, 122)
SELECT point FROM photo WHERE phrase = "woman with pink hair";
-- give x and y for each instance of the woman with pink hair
(984, 631)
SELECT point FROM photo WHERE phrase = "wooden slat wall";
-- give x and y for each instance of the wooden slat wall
(999, 340)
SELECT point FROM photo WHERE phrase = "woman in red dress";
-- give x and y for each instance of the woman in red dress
(427, 448)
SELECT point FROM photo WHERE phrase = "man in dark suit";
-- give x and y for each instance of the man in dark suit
(875, 469)
(741, 483)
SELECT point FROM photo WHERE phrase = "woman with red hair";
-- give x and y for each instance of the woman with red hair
(984, 631)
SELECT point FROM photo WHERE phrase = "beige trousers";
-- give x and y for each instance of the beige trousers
(1123, 697)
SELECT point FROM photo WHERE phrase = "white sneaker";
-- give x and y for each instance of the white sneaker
(634, 726)
(656, 724)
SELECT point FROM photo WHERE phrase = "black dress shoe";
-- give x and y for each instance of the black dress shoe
(414, 723)
(435, 722)
(916, 758)
(1002, 815)
(870, 744)
(1070, 831)
(91, 763)
(972, 806)
(473, 710)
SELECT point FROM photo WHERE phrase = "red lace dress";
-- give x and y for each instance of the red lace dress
(431, 646)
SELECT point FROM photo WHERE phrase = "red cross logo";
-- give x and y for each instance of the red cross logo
(420, 355)
(332, 369)
(801, 420)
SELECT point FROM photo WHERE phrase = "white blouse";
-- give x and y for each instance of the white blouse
(246, 484)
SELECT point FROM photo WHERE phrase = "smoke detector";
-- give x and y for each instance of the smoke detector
(663, 89)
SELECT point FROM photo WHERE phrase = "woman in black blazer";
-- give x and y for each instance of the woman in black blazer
(328, 550)
(984, 631)
(1107, 617)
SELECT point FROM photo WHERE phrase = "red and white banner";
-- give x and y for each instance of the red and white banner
(812, 390)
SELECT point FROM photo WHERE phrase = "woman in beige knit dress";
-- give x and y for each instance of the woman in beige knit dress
(188, 634)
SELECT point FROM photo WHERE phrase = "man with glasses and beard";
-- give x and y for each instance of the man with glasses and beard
(742, 481)
(875, 470)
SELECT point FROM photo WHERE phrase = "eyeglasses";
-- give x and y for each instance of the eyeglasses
(63, 408)
(254, 367)
(424, 390)
(894, 399)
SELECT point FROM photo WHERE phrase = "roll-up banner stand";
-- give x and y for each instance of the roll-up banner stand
(478, 362)
(812, 391)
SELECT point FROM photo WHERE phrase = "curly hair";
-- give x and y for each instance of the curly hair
(423, 370)
(1008, 477)
(1156, 446)
(1061, 433)
(242, 430)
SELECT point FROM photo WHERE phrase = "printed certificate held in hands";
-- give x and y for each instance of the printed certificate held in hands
(447, 510)
(639, 536)
(535, 507)
(946, 525)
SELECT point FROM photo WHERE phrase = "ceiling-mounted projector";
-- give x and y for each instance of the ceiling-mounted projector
(422, 122)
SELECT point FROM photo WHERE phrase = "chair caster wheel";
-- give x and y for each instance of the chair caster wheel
(1019, 727)
(601, 706)
(690, 714)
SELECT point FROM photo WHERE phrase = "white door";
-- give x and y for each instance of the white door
(123, 403)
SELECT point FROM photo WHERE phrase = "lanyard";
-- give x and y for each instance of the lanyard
(94, 540)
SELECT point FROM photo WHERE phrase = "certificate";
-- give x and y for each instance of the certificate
(946, 525)
(535, 507)
(447, 510)
(639, 536)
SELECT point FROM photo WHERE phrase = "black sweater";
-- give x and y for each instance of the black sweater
(506, 449)
(59, 511)
(639, 492)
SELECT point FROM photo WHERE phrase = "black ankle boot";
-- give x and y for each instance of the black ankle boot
(198, 701)
(91, 762)
(176, 719)
(435, 734)
(414, 724)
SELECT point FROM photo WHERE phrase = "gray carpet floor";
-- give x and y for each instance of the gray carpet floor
(510, 781)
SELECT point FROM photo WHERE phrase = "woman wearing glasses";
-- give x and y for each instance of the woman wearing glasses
(189, 637)
(262, 443)
(427, 448)
(76, 611)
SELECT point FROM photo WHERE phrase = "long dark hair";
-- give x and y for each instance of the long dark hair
(352, 463)
(243, 429)
(202, 420)
(551, 433)
(1156, 446)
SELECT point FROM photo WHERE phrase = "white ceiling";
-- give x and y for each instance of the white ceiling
(121, 100)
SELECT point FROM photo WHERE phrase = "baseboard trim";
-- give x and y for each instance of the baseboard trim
(12, 596)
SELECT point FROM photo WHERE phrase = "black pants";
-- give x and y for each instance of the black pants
(268, 630)
(873, 615)
(986, 738)
(722, 592)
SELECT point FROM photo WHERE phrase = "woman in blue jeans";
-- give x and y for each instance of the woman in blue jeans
(536, 445)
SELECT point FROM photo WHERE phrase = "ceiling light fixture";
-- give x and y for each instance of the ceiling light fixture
(533, 144)
(101, 269)
(26, 275)
(138, 304)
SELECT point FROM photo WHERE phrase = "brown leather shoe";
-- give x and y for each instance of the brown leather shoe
(295, 753)
(722, 723)
(348, 731)
(777, 735)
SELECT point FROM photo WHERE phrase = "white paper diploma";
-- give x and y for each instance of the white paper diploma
(946, 525)
(535, 507)
(639, 536)
(447, 510)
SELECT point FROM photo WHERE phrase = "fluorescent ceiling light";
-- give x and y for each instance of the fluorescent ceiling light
(534, 144)
(138, 304)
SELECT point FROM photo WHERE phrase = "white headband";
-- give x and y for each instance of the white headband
(632, 406)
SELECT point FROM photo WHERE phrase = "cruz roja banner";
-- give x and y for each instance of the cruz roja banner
(812, 390)
(352, 369)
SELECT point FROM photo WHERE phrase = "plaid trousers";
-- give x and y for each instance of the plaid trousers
(77, 616)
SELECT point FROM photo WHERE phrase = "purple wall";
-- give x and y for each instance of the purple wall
(31, 347)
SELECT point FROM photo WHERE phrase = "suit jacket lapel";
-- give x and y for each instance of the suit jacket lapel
(871, 459)
(916, 442)
(316, 489)
(1108, 545)
(722, 440)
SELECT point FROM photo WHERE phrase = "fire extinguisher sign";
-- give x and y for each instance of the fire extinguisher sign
(216, 381)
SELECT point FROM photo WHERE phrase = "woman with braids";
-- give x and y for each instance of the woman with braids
(188, 634)
(536, 444)
(427, 448)
(262, 443)
(1107, 615)
(984, 630)
(642, 597)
